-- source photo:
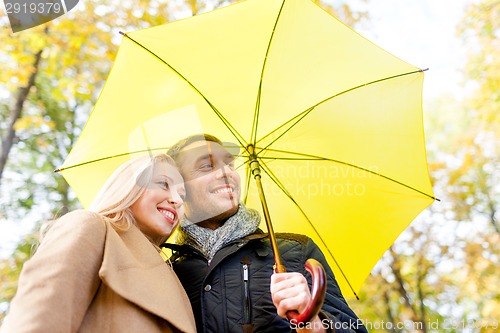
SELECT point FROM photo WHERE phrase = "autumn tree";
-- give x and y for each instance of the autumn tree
(445, 268)
(475, 181)
(51, 76)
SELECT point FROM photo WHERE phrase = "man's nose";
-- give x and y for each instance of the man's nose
(224, 171)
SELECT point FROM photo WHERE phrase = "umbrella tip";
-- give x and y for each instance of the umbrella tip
(121, 33)
(59, 170)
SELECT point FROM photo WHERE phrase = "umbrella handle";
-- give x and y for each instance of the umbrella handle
(318, 292)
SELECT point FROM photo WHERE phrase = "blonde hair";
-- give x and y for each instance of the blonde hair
(124, 187)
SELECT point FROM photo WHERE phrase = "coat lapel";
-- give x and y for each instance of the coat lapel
(134, 269)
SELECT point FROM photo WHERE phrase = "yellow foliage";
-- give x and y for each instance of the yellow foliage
(41, 142)
(480, 27)
(32, 121)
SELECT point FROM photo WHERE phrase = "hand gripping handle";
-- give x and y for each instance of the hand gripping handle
(318, 291)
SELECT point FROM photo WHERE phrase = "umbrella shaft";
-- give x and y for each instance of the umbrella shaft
(279, 268)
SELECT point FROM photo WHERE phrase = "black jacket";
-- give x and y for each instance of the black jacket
(232, 292)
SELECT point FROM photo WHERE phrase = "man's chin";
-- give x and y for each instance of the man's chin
(215, 218)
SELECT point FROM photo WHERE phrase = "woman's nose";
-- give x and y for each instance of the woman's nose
(175, 199)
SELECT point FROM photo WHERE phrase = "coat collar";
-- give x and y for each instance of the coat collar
(134, 269)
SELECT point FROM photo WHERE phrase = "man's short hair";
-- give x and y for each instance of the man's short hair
(179, 145)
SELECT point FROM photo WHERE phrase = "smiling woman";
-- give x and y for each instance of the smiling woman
(159, 209)
(100, 270)
(141, 192)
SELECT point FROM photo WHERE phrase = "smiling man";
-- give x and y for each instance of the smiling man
(213, 197)
(225, 261)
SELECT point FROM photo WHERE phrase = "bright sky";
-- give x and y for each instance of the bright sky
(421, 32)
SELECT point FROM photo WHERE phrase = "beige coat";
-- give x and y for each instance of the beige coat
(87, 277)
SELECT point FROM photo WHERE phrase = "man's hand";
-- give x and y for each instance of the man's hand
(290, 291)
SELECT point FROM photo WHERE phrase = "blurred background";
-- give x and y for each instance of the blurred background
(441, 275)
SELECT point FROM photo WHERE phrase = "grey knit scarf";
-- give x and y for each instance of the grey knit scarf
(208, 241)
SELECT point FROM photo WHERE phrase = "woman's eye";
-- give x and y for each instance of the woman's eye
(164, 185)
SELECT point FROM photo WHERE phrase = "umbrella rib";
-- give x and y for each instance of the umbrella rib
(233, 130)
(303, 114)
(308, 157)
(110, 157)
(113, 156)
(283, 189)
(259, 92)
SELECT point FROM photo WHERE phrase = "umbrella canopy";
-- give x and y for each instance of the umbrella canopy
(334, 121)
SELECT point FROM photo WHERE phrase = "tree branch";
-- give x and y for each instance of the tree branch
(22, 96)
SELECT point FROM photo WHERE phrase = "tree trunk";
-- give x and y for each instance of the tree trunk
(492, 215)
(396, 270)
(420, 292)
(391, 328)
(16, 113)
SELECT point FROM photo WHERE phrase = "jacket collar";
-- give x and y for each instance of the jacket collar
(184, 249)
(228, 249)
(134, 269)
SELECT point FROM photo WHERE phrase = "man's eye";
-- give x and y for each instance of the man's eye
(230, 164)
(206, 166)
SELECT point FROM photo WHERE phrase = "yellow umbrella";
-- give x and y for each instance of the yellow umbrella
(333, 121)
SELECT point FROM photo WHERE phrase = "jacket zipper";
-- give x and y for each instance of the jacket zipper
(247, 295)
